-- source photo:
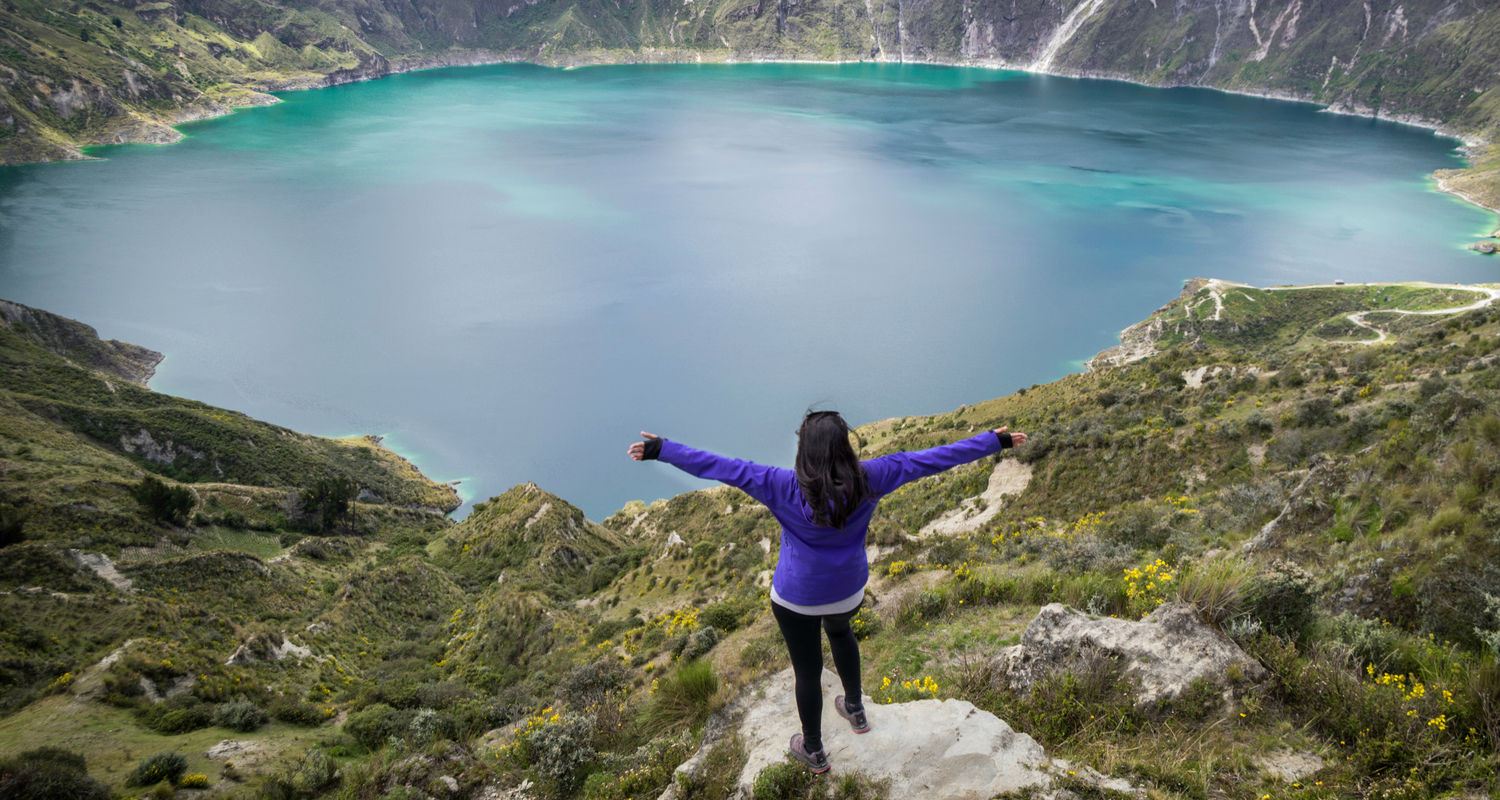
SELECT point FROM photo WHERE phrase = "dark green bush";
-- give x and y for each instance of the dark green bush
(164, 503)
(12, 522)
(49, 773)
(1315, 412)
(178, 714)
(442, 694)
(294, 711)
(726, 616)
(239, 715)
(155, 769)
(374, 725)
(324, 505)
(1281, 599)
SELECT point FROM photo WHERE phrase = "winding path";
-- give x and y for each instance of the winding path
(1358, 317)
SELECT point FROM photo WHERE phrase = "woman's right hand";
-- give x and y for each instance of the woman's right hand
(637, 451)
(1017, 439)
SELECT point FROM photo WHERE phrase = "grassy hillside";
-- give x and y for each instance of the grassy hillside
(1325, 499)
(87, 73)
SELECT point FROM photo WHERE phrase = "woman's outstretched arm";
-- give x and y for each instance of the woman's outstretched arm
(757, 480)
(888, 473)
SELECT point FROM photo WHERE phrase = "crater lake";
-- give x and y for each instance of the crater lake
(508, 271)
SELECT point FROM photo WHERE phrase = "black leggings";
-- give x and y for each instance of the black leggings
(805, 645)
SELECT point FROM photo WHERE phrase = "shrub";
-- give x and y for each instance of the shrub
(1281, 599)
(1315, 412)
(931, 603)
(49, 773)
(560, 749)
(296, 712)
(782, 781)
(12, 523)
(865, 623)
(196, 780)
(309, 776)
(591, 684)
(372, 726)
(239, 715)
(155, 769)
(702, 641)
(1094, 698)
(164, 503)
(726, 616)
(325, 504)
(178, 714)
(429, 725)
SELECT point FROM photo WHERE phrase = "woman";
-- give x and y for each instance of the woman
(824, 507)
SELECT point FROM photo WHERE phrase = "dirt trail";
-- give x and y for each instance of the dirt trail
(1358, 317)
(1010, 477)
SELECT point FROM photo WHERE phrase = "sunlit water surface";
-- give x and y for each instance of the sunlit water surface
(510, 270)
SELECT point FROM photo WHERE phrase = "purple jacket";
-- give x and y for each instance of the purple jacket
(820, 564)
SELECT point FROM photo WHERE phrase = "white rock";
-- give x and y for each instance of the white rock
(1163, 654)
(927, 748)
(1290, 765)
(104, 568)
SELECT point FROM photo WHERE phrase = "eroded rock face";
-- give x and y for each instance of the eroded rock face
(262, 648)
(927, 748)
(1308, 507)
(1162, 654)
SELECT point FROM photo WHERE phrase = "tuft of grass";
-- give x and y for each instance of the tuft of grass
(683, 699)
(1216, 590)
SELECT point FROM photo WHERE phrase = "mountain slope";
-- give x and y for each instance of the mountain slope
(1313, 469)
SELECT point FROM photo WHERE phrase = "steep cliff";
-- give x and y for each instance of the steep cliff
(93, 73)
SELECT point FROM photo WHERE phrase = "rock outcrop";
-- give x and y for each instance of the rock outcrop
(927, 748)
(81, 344)
(100, 564)
(1162, 655)
(1308, 506)
(261, 648)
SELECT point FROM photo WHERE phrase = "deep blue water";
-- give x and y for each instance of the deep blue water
(510, 270)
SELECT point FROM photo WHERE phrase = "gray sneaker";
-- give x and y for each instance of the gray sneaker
(817, 760)
(856, 719)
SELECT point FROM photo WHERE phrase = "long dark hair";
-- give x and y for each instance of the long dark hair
(832, 480)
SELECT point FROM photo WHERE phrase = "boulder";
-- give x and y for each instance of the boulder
(927, 748)
(1485, 247)
(1162, 654)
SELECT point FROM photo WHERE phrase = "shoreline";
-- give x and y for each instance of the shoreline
(263, 96)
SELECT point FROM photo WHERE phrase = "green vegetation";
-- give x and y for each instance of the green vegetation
(1328, 505)
(49, 773)
(164, 503)
(155, 769)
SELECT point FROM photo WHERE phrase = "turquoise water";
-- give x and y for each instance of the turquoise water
(510, 270)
